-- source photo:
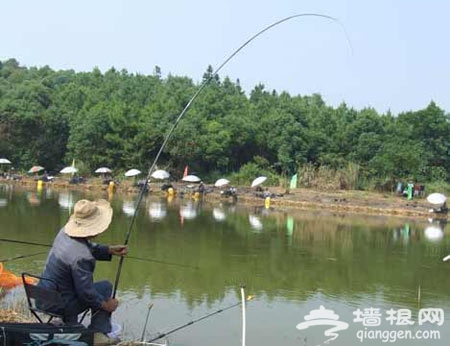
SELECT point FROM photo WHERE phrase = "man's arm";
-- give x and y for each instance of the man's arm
(104, 252)
(100, 252)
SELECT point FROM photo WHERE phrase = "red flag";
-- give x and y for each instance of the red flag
(185, 171)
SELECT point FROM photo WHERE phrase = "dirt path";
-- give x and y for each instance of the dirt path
(354, 202)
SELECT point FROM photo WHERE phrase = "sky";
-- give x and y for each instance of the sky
(390, 55)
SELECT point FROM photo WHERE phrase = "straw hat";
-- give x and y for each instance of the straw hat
(89, 218)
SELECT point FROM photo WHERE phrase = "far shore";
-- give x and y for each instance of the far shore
(345, 201)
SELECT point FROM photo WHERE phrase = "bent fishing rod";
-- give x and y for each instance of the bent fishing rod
(162, 335)
(48, 245)
(188, 105)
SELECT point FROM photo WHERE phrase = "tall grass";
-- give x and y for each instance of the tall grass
(327, 178)
(438, 186)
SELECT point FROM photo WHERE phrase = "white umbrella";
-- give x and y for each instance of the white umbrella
(4, 161)
(191, 179)
(258, 181)
(436, 198)
(160, 174)
(221, 182)
(103, 170)
(132, 172)
(68, 170)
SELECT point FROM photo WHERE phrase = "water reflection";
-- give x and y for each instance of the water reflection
(34, 198)
(289, 225)
(188, 211)
(48, 193)
(219, 214)
(434, 233)
(66, 200)
(255, 222)
(157, 210)
(404, 233)
(128, 207)
(299, 262)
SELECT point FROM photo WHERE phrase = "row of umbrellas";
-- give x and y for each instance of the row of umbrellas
(222, 182)
(73, 170)
(158, 174)
(434, 198)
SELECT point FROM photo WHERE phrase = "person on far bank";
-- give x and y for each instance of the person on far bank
(71, 264)
(201, 189)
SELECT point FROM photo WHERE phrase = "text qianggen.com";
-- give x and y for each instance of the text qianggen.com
(394, 335)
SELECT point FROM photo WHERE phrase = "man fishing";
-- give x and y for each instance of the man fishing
(71, 264)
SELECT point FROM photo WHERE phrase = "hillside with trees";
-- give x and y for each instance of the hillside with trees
(119, 119)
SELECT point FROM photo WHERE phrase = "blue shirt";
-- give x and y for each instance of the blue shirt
(71, 264)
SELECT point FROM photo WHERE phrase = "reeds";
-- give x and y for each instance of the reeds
(14, 307)
(325, 178)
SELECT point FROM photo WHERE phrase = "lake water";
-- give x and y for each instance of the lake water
(195, 257)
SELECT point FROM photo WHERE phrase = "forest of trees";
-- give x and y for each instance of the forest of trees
(119, 119)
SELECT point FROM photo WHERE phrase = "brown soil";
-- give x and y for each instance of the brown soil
(354, 202)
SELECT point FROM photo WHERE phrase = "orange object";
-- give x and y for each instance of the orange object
(8, 280)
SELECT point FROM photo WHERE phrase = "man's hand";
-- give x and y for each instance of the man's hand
(110, 305)
(118, 250)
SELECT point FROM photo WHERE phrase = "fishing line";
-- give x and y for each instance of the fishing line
(21, 256)
(194, 96)
(163, 262)
(23, 242)
(131, 257)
